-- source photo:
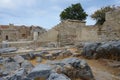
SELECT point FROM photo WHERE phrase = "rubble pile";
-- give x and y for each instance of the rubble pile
(20, 68)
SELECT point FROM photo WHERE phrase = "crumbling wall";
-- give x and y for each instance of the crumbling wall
(111, 28)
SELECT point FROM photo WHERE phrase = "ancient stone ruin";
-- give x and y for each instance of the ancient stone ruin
(71, 50)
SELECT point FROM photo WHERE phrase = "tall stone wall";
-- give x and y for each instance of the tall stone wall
(111, 28)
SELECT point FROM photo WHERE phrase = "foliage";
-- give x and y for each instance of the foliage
(74, 12)
(99, 15)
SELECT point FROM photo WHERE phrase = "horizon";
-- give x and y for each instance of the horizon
(45, 13)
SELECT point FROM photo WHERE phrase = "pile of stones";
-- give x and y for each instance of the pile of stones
(17, 68)
(54, 55)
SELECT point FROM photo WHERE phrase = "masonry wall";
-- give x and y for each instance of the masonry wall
(69, 32)
(50, 36)
(111, 28)
(88, 34)
(11, 35)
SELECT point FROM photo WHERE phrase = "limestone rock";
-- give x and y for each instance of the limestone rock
(18, 59)
(19, 75)
(11, 66)
(29, 56)
(40, 71)
(56, 76)
(27, 66)
(108, 50)
(76, 68)
(89, 49)
(7, 50)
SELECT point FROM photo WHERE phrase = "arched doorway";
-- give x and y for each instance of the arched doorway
(6, 37)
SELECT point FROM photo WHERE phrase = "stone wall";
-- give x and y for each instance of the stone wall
(111, 28)
(13, 32)
(71, 31)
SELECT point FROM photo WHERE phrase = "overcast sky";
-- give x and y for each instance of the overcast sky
(44, 13)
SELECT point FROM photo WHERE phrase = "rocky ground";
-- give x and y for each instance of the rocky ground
(59, 64)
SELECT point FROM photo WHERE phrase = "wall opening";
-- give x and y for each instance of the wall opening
(23, 35)
(6, 37)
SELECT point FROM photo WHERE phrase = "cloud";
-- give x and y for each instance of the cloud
(15, 4)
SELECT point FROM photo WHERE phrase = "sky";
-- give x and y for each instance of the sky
(45, 13)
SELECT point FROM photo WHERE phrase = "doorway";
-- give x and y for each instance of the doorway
(6, 37)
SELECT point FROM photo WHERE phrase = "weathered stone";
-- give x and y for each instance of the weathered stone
(76, 68)
(18, 59)
(11, 66)
(41, 54)
(1, 60)
(49, 57)
(109, 50)
(89, 49)
(29, 56)
(56, 76)
(40, 71)
(19, 75)
(27, 66)
(7, 50)
(57, 53)
(9, 59)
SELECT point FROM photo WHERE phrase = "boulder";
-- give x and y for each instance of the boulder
(27, 66)
(19, 75)
(40, 71)
(29, 56)
(89, 49)
(18, 59)
(1, 60)
(56, 76)
(3, 73)
(11, 66)
(7, 50)
(109, 50)
(8, 59)
(76, 68)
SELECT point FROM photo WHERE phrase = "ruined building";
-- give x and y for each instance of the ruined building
(14, 33)
(71, 31)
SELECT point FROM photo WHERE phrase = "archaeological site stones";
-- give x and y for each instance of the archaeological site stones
(71, 50)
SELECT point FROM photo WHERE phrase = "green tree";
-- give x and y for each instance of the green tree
(99, 15)
(75, 12)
